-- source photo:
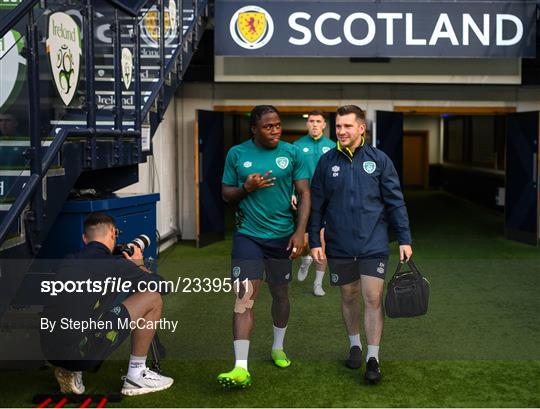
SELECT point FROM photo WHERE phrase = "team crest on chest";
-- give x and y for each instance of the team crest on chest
(306, 149)
(282, 162)
(325, 149)
(247, 164)
(370, 166)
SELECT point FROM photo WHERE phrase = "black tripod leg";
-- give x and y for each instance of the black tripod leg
(155, 355)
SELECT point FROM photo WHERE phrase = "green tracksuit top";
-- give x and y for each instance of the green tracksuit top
(265, 213)
(313, 149)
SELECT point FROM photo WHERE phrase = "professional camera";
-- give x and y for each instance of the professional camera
(142, 241)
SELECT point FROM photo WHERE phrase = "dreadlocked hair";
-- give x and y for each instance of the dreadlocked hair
(258, 111)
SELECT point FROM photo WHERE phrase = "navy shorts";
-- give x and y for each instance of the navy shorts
(252, 257)
(348, 270)
(97, 345)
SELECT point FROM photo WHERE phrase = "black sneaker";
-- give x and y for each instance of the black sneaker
(373, 373)
(355, 358)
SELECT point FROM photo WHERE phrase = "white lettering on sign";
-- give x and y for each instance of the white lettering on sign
(2, 188)
(501, 18)
(409, 39)
(370, 33)
(509, 29)
(443, 29)
(318, 29)
(469, 23)
(301, 29)
(389, 17)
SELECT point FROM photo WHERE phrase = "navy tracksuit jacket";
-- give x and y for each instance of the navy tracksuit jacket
(355, 198)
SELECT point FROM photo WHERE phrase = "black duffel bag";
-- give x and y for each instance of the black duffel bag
(407, 293)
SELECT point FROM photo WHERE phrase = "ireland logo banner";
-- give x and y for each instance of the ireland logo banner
(64, 49)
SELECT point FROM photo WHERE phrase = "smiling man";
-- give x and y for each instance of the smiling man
(355, 193)
(259, 177)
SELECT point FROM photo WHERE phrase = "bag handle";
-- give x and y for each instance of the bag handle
(410, 264)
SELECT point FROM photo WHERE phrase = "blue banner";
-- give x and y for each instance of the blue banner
(478, 29)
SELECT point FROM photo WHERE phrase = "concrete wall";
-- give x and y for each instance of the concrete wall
(159, 173)
(393, 70)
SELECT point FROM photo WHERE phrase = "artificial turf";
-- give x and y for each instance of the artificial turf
(477, 347)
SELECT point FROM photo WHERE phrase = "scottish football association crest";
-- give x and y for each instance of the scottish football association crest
(282, 162)
(251, 27)
(64, 48)
(370, 166)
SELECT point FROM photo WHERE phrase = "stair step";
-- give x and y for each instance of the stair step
(13, 181)
(15, 229)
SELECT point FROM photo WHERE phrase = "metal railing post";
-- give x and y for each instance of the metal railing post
(36, 219)
(137, 73)
(118, 111)
(89, 65)
(88, 30)
(161, 94)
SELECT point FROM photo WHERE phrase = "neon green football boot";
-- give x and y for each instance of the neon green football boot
(237, 378)
(280, 358)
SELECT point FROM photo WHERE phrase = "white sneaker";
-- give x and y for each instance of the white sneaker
(148, 381)
(304, 268)
(318, 290)
(69, 381)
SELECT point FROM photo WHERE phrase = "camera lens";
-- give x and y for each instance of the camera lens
(142, 241)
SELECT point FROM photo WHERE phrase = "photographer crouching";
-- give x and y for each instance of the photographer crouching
(96, 311)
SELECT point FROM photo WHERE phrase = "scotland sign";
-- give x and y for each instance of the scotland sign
(483, 29)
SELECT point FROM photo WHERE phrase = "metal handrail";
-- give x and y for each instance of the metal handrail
(13, 17)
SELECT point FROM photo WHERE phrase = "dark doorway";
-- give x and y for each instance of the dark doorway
(210, 160)
(521, 201)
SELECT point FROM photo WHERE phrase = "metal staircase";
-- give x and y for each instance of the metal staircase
(57, 133)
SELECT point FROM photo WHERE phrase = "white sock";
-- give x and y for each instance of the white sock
(318, 277)
(279, 336)
(372, 351)
(136, 366)
(306, 261)
(355, 340)
(241, 352)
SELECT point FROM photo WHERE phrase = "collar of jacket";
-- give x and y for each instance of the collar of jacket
(347, 152)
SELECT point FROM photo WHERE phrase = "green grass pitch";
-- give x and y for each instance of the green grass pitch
(479, 345)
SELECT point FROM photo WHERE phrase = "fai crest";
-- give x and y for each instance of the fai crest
(282, 162)
(236, 271)
(127, 67)
(64, 48)
(251, 27)
(247, 164)
(335, 168)
(325, 149)
(370, 166)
